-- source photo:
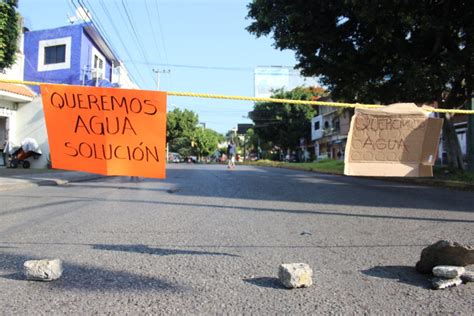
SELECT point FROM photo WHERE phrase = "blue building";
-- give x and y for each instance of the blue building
(74, 54)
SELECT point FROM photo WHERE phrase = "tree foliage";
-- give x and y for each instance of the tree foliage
(369, 51)
(251, 140)
(372, 51)
(186, 137)
(180, 124)
(9, 32)
(207, 141)
(283, 124)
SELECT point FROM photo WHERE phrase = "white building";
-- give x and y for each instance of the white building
(121, 76)
(21, 112)
(329, 132)
(21, 109)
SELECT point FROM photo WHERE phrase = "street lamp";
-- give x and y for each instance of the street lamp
(158, 72)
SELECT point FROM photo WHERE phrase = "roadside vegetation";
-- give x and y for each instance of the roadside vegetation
(337, 167)
(327, 166)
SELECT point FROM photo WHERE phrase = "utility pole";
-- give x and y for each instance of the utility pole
(470, 137)
(158, 72)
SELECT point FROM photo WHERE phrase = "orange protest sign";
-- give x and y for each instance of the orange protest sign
(108, 131)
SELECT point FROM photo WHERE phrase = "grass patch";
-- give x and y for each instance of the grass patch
(328, 166)
(443, 173)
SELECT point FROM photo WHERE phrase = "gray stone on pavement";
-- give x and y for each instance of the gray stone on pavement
(295, 275)
(448, 272)
(467, 276)
(440, 283)
(43, 270)
(445, 252)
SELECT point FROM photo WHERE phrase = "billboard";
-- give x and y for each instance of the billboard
(268, 79)
(271, 78)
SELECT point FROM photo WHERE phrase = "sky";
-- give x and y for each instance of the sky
(196, 45)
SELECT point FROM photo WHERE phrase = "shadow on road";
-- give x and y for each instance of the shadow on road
(78, 198)
(403, 274)
(274, 184)
(158, 251)
(85, 278)
(267, 282)
(220, 246)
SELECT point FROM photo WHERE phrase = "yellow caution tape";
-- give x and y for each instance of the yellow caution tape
(234, 97)
(243, 98)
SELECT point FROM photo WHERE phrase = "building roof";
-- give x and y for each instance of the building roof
(101, 43)
(95, 36)
(16, 93)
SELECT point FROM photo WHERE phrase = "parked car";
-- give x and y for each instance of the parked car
(175, 157)
(291, 158)
(191, 159)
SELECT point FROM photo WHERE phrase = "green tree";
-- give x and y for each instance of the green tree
(181, 145)
(366, 51)
(180, 124)
(283, 124)
(9, 32)
(180, 129)
(251, 141)
(207, 141)
(185, 137)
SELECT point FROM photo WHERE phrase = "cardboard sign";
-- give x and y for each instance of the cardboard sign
(107, 131)
(397, 140)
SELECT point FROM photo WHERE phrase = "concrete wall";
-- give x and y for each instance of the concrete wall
(30, 123)
(345, 122)
(317, 134)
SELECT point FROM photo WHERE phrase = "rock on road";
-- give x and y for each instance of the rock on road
(208, 240)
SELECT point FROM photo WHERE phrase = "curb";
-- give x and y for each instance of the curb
(52, 182)
(450, 184)
(48, 182)
(59, 182)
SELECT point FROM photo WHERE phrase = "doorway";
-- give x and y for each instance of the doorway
(3, 139)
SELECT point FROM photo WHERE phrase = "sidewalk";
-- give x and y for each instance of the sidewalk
(23, 178)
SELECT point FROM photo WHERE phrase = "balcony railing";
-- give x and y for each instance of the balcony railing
(330, 131)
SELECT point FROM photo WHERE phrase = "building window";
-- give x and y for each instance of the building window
(54, 54)
(98, 64)
(337, 125)
(317, 126)
(326, 125)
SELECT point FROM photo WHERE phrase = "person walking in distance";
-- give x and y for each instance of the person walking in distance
(231, 155)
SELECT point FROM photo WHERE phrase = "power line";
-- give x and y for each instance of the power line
(118, 34)
(152, 29)
(243, 69)
(102, 30)
(192, 66)
(161, 31)
(139, 42)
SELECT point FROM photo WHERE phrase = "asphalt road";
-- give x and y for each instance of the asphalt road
(208, 240)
